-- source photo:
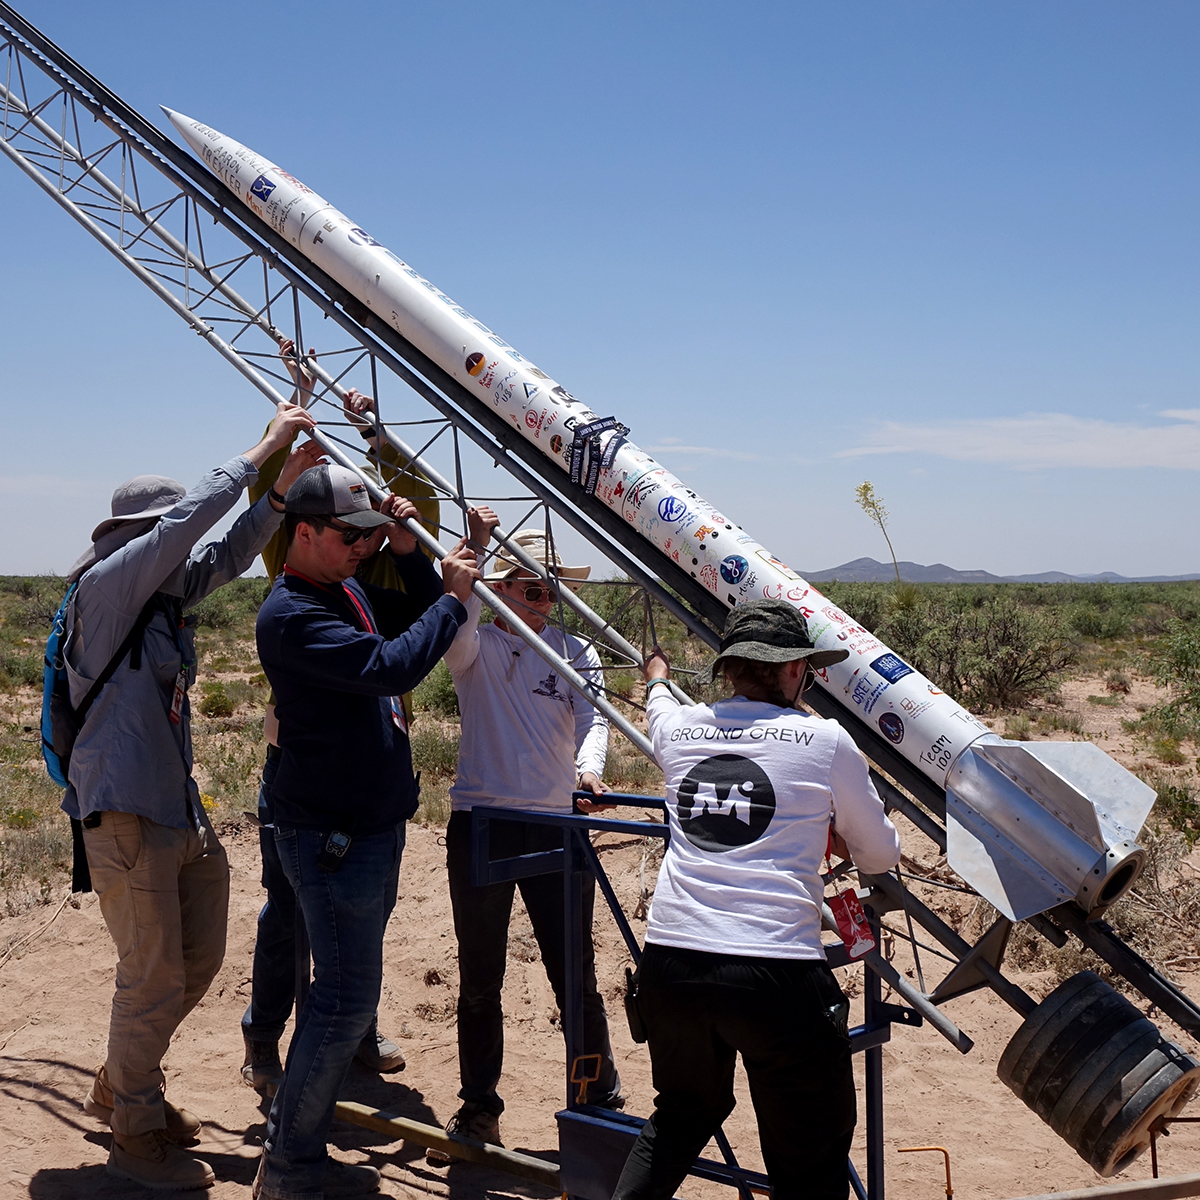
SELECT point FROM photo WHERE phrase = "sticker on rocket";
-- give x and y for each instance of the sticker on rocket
(360, 237)
(474, 363)
(892, 668)
(672, 509)
(262, 187)
(724, 802)
(782, 568)
(892, 727)
(734, 568)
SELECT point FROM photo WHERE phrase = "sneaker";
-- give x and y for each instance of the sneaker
(378, 1053)
(341, 1179)
(183, 1127)
(262, 1069)
(154, 1161)
(471, 1122)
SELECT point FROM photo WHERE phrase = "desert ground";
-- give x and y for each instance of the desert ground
(56, 967)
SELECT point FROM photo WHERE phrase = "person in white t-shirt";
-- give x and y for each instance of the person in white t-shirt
(528, 740)
(733, 960)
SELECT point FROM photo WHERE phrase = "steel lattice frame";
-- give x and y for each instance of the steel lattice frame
(242, 297)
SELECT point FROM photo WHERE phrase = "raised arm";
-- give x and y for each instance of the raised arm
(858, 813)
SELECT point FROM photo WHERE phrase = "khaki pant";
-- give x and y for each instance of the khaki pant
(164, 894)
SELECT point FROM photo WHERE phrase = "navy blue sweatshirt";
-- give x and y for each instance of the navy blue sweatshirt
(346, 764)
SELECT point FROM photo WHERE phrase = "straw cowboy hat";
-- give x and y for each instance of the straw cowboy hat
(533, 542)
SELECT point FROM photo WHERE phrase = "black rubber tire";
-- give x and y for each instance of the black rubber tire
(1123, 1052)
(1029, 1028)
(1128, 1134)
(1071, 1050)
(1049, 1027)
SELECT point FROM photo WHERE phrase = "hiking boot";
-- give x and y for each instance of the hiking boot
(341, 1179)
(154, 1161)
(183, 1127)
(348, 1179)
(378, 1053)
(469, 1122)
(262, 1069)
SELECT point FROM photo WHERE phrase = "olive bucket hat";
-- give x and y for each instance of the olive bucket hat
(770, 631)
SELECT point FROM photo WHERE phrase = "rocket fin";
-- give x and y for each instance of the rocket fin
(1121, 800)
(1040, 780)
(996, 866)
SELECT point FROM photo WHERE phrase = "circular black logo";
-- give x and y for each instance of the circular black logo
(724, 802)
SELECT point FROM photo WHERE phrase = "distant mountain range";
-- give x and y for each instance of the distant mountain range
(867, 570)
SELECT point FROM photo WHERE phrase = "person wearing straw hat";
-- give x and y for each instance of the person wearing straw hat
(528, 740)
(733, 960)
(159, 872)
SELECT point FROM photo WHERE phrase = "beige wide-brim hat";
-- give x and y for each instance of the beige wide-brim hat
(533, 542)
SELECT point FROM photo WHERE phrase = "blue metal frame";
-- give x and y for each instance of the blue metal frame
(602, 1131)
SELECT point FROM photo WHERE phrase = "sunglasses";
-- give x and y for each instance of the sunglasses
(535, 593)
(350, 533)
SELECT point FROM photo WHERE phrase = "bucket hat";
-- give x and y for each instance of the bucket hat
(140, 499)
(769, 631)
(533, 542)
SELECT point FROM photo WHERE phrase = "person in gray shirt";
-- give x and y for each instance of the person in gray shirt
(161, 876)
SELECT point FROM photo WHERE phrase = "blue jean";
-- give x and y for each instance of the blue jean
(273, 982)
(345, 913)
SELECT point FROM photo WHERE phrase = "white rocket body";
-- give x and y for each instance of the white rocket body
(926, 726)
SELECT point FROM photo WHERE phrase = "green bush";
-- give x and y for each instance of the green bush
(1175, 664)
(435, 693)
(434, 748)
(216, 702)
(233, 607)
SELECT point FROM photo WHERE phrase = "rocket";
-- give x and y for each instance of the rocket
(1030, 825)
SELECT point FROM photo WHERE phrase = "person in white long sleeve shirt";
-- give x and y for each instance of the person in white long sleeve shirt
(528, 740)
(733, 960)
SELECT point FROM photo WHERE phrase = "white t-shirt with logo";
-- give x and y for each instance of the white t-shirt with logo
(526, 733)
(751, 788)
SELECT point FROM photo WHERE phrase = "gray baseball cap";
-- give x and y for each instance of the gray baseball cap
(769, 631)
(332, 491)
(140, 499)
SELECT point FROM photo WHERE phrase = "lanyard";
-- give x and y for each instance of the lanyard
(368, 626)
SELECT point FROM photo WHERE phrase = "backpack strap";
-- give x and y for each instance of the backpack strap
(131, 645)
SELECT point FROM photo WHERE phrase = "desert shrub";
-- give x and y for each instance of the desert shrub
(1105, 701)
(216, 702)
(1069, 722)
(20, 667)
(233, 607)
(1117, 682)
(1177, 806)
(435, 748)
(1175, 664)
(1018, 727)
(1166, 750)
(983, 647)
(435, 693)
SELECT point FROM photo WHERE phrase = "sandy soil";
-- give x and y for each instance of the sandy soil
(54, 998)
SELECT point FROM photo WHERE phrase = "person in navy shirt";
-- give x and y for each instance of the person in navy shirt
(337, 662)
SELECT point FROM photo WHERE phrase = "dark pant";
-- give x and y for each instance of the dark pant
(481, 917)
(273, 982)
(345, 913)
(787, 1018)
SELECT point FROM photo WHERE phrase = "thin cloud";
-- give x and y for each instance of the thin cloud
(710, 451)
(1045, 440)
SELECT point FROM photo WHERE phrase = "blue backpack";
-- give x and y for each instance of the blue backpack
(61, 722)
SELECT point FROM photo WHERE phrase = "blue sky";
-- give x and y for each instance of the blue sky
(948, 247)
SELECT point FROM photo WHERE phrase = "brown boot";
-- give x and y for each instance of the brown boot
(154, 1161)
(183, 1127)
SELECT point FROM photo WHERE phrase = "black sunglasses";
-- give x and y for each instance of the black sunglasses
(350, 533)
